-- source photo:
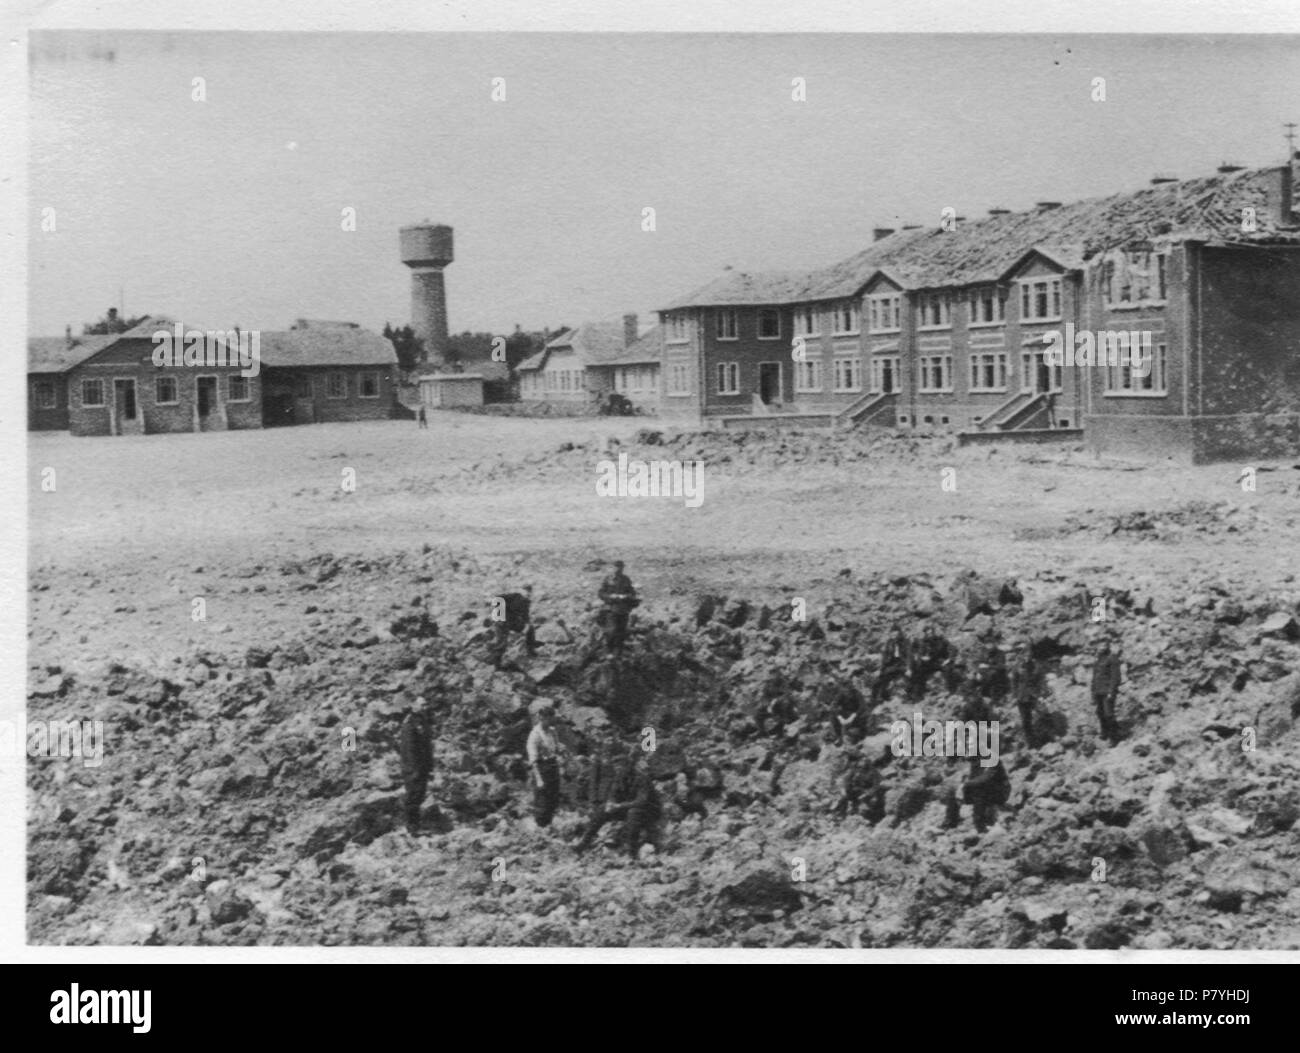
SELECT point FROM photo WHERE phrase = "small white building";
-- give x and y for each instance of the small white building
(443, 390)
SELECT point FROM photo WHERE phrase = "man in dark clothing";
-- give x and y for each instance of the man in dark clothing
(991, 675)
(513, 613)
(985, 789)
(1106, 678)
(420, 416)
(929, 655)
(608, 783)
(617, 597)
(862, 791)
(644, 809)
(415, 745)
(893, 662)
(1024, 690)
(849, 713)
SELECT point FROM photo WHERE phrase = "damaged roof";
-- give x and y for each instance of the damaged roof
(1208, 209)
(646, 348)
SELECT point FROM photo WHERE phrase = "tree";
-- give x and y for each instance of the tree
(111, 323)
(409, 347)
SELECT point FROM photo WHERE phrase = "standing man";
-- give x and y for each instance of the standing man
(893, 662)
(1024, 689)
(1106, 678)
(618, 597)
(415, 746)
(420, 416)
(543, 751)
(644, 809)
(930, 655)
(609, 781)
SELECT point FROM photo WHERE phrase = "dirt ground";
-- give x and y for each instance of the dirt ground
(258, 526)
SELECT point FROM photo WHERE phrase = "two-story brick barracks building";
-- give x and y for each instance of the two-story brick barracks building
(944, 328)
(110, 385)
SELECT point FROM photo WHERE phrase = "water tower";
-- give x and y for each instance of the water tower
(426, 249)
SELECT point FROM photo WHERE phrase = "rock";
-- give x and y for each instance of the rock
(258, 657)
(225, 903)
(1109, 936)
(1234, 883)
(1046, 912)
(553, 634)
(761, 892)
(51, 686)
(1280, 625)
(1165, 843)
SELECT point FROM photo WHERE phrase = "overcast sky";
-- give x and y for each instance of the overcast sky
(228, 211)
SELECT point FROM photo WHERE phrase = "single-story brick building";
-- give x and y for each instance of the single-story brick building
(114, 385)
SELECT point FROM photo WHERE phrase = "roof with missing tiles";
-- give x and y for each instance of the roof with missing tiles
(1207, 209)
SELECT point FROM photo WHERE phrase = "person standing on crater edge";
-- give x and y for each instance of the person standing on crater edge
(543, 751)
(415, 746)
(617, 597)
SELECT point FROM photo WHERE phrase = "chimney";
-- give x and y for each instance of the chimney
(1280, 195)
(881, 232)
(630, 330)
(1046, 206)
(999, 212)
(1156, 180)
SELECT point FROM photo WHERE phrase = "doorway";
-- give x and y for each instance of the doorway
(769, 382)
(205, 397)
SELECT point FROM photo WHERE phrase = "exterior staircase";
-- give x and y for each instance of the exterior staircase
(871, 408)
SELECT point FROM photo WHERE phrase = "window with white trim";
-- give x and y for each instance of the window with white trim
(726, 326)
(846, 318)
(885, 374)
(237, 388)
(677, 326)
(679, 378)
(728, 378)
(884, 312)
(986, 306)
(1040, 300)
(848, 374)
(988, 371)
(1123, 379)
(932, 311)
(936, 373)
(769, 324)
(370, 385)
(806, 322)
(808, 375)
(1133, 278)
(92, 392)
(164, 391)
(336, 385)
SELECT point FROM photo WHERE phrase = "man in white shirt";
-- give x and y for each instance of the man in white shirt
(543, 751)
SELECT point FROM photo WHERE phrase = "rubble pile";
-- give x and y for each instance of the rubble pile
(255, 797)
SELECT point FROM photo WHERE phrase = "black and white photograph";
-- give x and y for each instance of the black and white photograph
(643, 491)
